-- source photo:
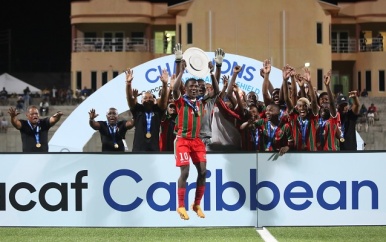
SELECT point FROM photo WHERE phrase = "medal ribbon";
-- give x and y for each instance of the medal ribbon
(255, 137)
(112, 131)
(322, 123)
(303, 124)
(281, 114)
(270, 134)
(191, 104)
(36, 132)
(342, 130)
(148, 121)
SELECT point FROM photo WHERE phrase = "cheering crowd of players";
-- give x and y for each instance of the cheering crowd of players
(230, 119)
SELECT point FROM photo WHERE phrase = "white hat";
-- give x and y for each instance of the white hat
(196, 62)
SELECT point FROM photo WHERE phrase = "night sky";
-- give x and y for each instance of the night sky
(35, 35)
(40, 36)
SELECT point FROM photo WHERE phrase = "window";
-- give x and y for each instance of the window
(89, 37)
(368, 81)
(359, 81)
(79, 80)
(93, 81)
(319, 76)
(319, 39)
(179, 34)
(381, 81)
(137, 38)
(190, 33)
(329, 34)
(104, 77)
(115, 74)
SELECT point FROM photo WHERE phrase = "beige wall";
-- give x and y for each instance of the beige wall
(86, 62)
(259, 31)
(366, 11)
(252, 28)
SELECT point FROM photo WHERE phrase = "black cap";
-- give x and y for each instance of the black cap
(341, 100)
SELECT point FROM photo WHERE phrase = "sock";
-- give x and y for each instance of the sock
(199, 193)
(181, 197)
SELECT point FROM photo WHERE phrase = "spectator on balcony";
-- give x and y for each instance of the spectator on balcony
(166, 42)
(362, 41)
(380, 42)
(98, 45)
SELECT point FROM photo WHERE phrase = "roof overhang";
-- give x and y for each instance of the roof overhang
(330, 8)
(179, 7)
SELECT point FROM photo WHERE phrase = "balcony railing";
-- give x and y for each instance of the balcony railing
(350, 45)
(112, 45)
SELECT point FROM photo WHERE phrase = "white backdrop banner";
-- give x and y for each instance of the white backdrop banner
(138, 190)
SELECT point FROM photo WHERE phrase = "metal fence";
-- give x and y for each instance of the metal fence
(112, 45)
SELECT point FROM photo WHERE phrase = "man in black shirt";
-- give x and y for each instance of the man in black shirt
(348, 120)
(34, 131)
(147, 115)
(112, 131)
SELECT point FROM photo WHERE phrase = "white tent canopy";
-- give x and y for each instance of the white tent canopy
(14, 85)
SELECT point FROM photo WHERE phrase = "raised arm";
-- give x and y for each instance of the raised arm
(163, 102)
(55, 118)
(266, 83)
(178, 82)
(218, 58)
(14, 120)
(355, 106)
(314, 101)
(294, 88)
(286, 76)
(224, 86)
(300, 81)
(130, 124)
(239, 100)
(327, 80)
(229, 92)
(93, 124)
(178, 57)
(129, 91)
(216, 88)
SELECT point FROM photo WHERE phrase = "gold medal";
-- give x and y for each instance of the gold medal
(38, 145)
(116, 146)
(341, 140)
(148, 135)
(267, 149)
(198, 113)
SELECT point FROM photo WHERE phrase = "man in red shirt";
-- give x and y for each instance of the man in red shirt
(188, 143)
(372, 111)
(304, 116)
